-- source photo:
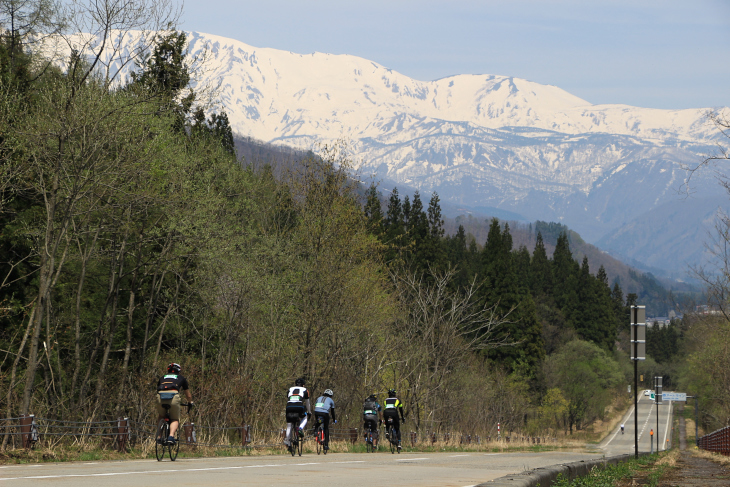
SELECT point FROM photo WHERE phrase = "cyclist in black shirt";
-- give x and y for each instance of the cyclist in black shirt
(172, 382)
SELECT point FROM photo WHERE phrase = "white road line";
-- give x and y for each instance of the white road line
(490, 454)
(353, 461)
(648, 417)
(452, 456)
(410, 459)
(138, 472)
(625, 420)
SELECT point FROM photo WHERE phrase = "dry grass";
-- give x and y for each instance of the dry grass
(669, 459)
(715, 457)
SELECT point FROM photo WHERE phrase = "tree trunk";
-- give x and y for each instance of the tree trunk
(77, 325)
(14, 369)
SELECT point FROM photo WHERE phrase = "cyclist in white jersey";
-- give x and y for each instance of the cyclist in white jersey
(297, 409)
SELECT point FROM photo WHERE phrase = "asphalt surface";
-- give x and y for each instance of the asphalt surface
(617, 444)
(348, 469)
(446, 469)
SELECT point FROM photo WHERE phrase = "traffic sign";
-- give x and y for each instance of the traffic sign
(652, 396)
(675, 396)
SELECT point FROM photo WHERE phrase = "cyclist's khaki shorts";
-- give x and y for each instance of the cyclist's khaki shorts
(174, 408)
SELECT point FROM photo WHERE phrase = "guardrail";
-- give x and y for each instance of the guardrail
(718, 441)
(122, 433)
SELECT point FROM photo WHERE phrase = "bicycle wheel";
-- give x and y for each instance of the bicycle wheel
(319, 440)
(369, 442)
(393, 439)
(293, 446)
(300, 445)
(162, 430)
(172, 450)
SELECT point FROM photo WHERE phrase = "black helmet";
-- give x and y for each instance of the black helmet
(328, 392)
(174, 368)
(391, 392)
(299, 382)
(372, 396)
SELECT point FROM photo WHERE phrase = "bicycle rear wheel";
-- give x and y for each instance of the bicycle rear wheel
(393, 439)
(320, 440)
(300, 445)
(369, 442)
(162, 430)
(174, 448)
(293, 446)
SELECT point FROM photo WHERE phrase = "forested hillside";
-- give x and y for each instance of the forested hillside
(131, 237)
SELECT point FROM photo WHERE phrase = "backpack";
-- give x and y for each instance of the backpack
(370, 408)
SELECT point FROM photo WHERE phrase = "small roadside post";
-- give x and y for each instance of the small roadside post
(651, 434)
(638, 352)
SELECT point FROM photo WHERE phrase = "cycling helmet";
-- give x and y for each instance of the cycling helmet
(299, 382)
(174, 368)
(328, 392)
(391, 392)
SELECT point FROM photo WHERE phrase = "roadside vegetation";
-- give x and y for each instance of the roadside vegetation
(132, 236)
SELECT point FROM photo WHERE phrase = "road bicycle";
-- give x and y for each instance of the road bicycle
(297, 442)
(371, 439)
(392, 435)
(319, 436)
(163, 431)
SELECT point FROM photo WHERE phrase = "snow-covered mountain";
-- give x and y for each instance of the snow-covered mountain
(477, 140)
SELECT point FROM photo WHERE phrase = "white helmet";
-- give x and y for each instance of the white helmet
(328, 392)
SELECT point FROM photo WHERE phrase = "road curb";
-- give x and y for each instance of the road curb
(545, 476)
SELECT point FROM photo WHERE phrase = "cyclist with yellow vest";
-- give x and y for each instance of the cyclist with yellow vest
(393, 409)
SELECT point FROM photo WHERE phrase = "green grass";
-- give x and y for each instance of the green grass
(609, 476)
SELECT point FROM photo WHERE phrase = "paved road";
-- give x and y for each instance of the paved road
(349, 469)
(616, 443)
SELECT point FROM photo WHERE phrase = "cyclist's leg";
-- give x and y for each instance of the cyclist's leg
(292, 419)
(175, 415)
(160, 413)
(303, 422)
(326, 424)
(396, 425)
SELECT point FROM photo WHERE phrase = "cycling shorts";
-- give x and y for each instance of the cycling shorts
(174, 405)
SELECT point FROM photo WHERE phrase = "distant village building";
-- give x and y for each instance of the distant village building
(660, 322)
(706, 309)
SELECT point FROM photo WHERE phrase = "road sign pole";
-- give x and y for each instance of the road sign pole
(638, 341)
(636, 405)
(657, 381)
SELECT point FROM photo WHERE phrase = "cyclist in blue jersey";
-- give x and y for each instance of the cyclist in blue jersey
(324, 407)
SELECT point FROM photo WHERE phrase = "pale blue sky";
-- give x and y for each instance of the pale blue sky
(662, 54)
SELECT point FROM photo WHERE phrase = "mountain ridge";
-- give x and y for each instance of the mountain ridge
(478, 140)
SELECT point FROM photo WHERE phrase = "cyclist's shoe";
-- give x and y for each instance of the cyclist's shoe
(287, 443)
(301, 432)
(387, 436)
(326, 448)
(170, 440)
(160, 441)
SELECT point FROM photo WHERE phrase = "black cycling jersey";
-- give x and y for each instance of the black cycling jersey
(172, 382)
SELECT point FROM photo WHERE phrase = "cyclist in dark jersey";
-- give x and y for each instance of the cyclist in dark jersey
(172, 382)
(394, 408)
(371, 416)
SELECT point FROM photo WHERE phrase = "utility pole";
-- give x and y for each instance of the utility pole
(657, 401)
(638, 352)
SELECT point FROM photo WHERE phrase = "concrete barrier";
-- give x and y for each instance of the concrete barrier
(545, 476)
